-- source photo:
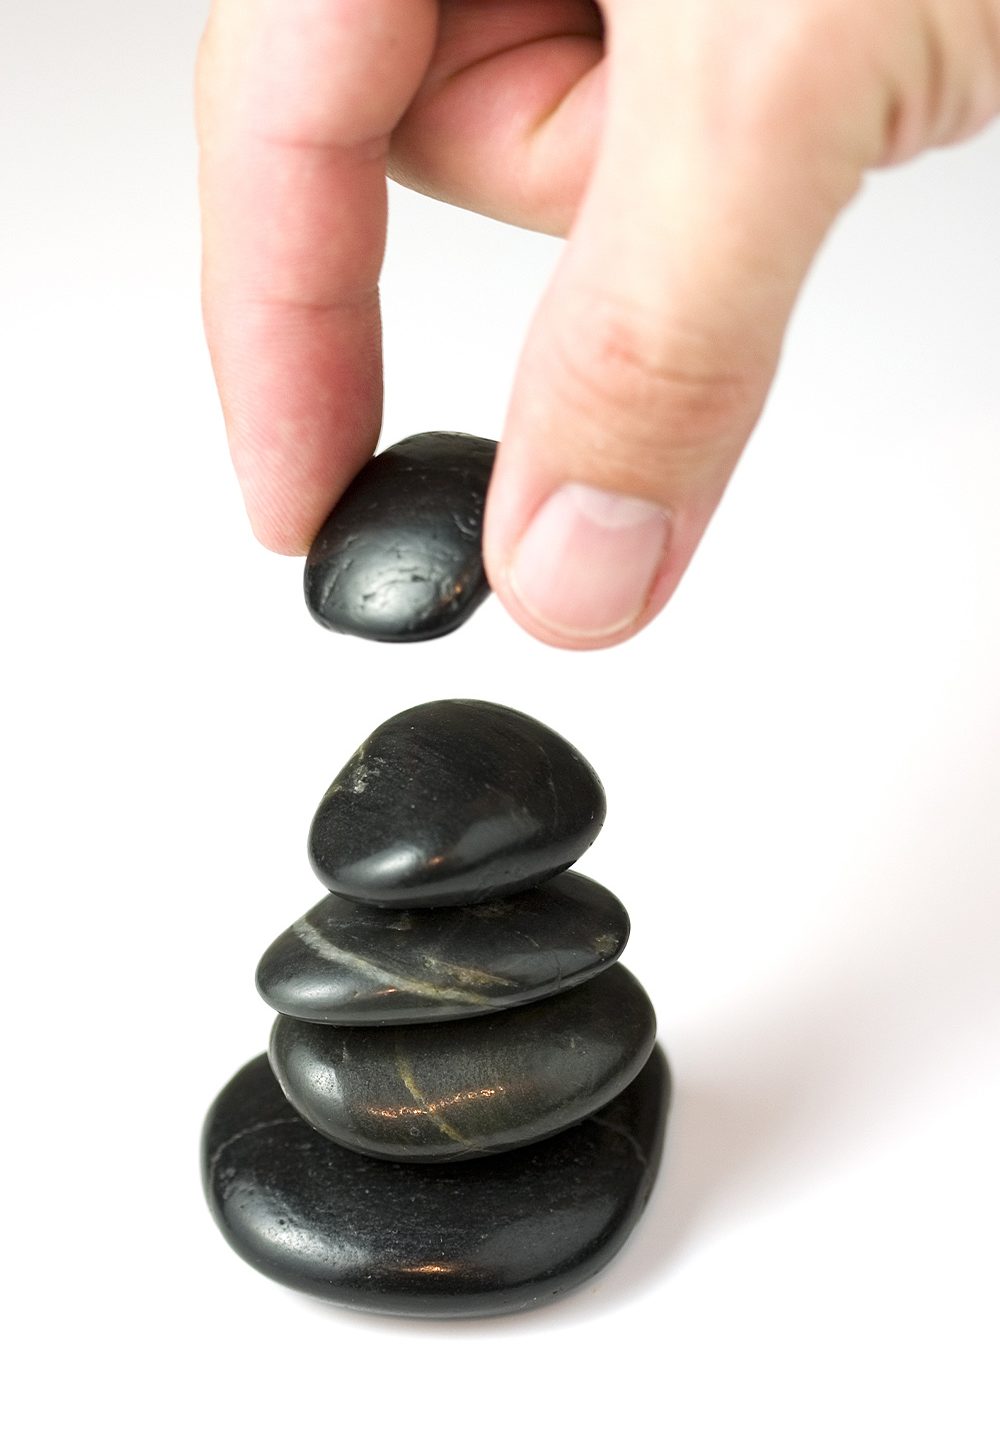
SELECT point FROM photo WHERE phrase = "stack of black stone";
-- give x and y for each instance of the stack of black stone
(463, 1107)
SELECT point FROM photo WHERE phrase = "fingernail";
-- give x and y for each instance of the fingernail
(588, 560)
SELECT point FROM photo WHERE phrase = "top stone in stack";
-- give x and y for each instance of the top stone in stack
(455, 802)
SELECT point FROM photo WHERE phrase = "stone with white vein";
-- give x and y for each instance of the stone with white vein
(345, 962)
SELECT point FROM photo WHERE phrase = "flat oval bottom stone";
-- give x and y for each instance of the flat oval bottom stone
(480, 1238)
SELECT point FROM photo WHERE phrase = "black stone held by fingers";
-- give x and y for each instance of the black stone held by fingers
(501, 1234)
(400, 556)
(456, 1091)
(348, 963)
(455, 802)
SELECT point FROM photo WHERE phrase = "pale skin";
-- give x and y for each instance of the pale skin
(694, 152)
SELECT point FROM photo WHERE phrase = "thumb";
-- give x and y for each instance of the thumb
(650, 357)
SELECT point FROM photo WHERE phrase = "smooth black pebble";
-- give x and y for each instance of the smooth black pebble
(348, 963)
(503, 1234)
(455, 1091)
(400, 556)
(455, 802)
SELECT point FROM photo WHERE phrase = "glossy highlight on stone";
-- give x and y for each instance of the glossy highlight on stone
(400, 556)
(449, 1092)
(455, 802)
(506, 1233)
(348, 963)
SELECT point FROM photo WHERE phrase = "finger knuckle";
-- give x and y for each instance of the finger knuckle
(784, 76)
(615, 360)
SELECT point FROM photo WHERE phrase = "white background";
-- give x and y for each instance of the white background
(802, 768)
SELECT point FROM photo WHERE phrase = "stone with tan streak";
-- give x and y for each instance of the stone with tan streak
(465, 1089)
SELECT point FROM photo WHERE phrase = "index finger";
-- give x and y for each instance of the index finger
(296, 103)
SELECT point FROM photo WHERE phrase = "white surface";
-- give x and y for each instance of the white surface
(802, 768)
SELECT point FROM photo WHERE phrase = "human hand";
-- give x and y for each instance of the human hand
(696, 151)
